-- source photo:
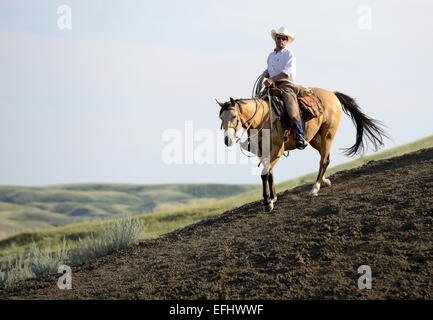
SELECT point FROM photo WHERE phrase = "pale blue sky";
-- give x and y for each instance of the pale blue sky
(90, 104)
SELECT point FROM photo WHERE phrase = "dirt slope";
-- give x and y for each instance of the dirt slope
(380, 215)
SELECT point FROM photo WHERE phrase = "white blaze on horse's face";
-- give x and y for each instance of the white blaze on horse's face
(230, 123)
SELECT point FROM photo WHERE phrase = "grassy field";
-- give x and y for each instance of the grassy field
(158, 223)
(33, 208)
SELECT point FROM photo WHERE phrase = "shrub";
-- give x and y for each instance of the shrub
(115, 236)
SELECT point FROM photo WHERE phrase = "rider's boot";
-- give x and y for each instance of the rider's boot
(300, 141)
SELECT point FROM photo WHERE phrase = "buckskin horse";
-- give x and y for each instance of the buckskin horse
(319, 132)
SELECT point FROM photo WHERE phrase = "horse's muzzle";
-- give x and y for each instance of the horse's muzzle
(229, 137)
(228, 142)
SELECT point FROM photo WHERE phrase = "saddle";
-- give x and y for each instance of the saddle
(309, 104)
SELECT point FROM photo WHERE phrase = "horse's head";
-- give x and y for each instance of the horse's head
(231, 122)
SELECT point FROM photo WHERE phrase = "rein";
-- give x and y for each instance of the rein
(251, 122)
(256, 92)
(251, 119)
(270, 121)
(257, 87)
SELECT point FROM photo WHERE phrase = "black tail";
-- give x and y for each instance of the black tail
(365, 126)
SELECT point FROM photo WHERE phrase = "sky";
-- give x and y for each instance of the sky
(99, 101)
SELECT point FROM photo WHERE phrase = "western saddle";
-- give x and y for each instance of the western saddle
(309, 104)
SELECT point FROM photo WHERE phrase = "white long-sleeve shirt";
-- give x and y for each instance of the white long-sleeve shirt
(282, 61)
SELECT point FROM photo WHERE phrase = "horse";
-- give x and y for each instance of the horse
(319, 132)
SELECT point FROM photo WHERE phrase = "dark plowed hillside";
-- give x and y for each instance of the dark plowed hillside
(380, 214)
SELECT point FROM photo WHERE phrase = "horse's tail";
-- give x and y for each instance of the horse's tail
(365, 126)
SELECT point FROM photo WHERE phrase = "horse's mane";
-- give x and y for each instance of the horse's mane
(225, 106)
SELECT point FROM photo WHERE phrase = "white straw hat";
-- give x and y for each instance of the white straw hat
(283, 31)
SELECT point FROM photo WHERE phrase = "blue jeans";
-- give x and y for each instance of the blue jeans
(291, 106)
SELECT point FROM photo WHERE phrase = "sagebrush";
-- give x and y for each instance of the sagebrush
(116, 235)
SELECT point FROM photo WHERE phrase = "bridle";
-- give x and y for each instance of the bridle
(256, 93)
(237, 118)
(246, 125)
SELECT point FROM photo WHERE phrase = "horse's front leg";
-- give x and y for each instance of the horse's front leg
(268, 173)
(273, 194)
(269, 205)
(269, 193)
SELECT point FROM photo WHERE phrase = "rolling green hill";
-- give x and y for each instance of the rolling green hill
(158, 223)
(32, 208)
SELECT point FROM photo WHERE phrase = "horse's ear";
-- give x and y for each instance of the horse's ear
(219, 102)
(232, 101)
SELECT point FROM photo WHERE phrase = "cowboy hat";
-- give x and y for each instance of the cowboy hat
(283, 31)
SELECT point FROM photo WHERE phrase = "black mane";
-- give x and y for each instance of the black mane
(227, 104)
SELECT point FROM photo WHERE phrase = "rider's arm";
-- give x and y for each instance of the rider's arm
(278, 77)
(284, 74)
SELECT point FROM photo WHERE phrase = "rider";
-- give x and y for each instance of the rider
(281, 71)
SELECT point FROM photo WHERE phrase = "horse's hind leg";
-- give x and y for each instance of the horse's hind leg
(316, 144)
(325, 181)
(322, 142)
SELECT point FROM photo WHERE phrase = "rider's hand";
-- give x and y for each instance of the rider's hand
(268, 82)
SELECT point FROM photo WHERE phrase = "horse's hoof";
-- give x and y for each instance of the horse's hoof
(315, 190)
(326, 182)
(273, 200)
(269, 207)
